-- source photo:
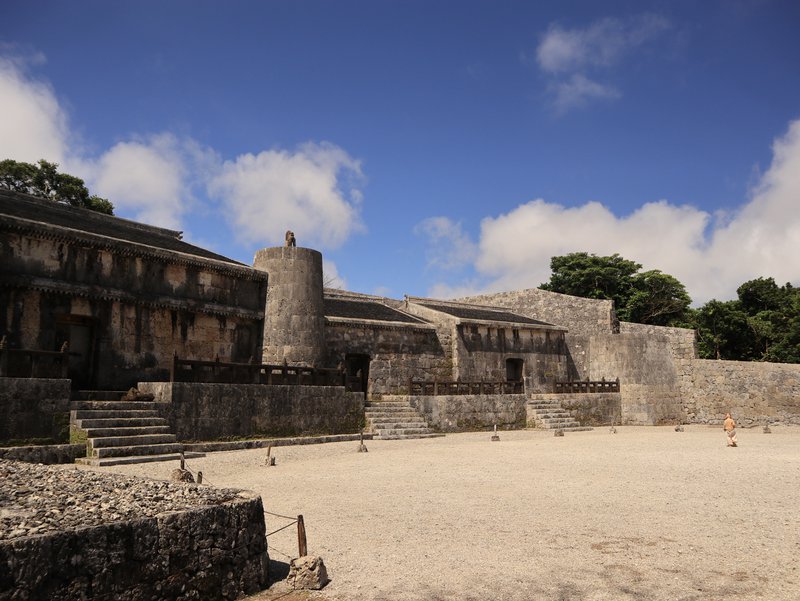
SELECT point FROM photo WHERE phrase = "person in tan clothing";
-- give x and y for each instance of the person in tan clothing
(730, 429)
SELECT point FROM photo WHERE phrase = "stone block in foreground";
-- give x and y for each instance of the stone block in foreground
(72, 534)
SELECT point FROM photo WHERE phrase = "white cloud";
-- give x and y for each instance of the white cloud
(601, 44)
(567, 54)
(711, 255)
(276, 190)
(155, 178)
(578, 91)
(146, 178)
(33, 125)
(331, 277)
(448, 246)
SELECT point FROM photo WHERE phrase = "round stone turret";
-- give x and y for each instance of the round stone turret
(294, 320)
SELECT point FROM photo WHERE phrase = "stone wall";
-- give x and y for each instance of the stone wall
(648, 374)
(459, 413)
(46, 454)
(34, 408)
(482, 353)
(397, 353)
(124, 309)
(578, 315)
(145, 540)
(594, 409)
(294, 322)
(215, 411)
(753, 392)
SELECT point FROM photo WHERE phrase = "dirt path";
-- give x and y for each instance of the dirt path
(647, 513)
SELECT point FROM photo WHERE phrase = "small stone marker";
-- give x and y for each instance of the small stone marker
(558, 432)
(307, 573)
(270, 459)
(679, 428)
(362, 448)
(613, 429)
(181, 475)
(199, 477)
(767, 429)
(495, 437)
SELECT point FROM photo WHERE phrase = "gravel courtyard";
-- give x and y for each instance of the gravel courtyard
(646, 513)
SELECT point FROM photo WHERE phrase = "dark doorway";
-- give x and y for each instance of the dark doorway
(514, 370)
(357, 366)
(78, 331)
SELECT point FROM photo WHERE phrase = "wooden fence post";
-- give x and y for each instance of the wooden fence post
(302, 546)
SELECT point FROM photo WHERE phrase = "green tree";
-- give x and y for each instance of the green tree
(590, 276)
(44, 180)
(648, 297)
(723, 331)
(657, 298)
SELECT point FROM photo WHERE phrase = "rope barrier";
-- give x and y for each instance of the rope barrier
(283, 528)
(277, 515)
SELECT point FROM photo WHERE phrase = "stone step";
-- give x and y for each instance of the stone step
(130, 441)
(402, 431)
(92, 395)
(387, 419)
(100, 461)
(125, 431)
(112, 405)
(136, 450)
(407, 436)
(106, 413)
(388, 427)
(387, 404)
(121, 422)
(544, 406)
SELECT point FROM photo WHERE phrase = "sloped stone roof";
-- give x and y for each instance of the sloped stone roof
(39, 210)
(366, 309)
(476, 313)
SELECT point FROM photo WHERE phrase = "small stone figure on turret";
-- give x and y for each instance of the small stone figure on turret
(290, 241)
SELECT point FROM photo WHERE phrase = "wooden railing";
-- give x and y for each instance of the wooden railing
(586, 386)
(457, 388)
(195, 370)
(29, 363)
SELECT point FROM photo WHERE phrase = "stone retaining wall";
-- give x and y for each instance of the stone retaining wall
(215, 411)
(126, 539)
(46, 454)
(34, 408)
(589, 409)
(458, 413)
(752, 392)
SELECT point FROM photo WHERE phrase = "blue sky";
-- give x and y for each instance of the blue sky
(428, 148)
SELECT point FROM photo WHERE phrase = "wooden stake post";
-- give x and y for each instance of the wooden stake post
(302, 546)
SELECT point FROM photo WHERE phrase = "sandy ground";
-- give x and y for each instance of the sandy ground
(646, 513)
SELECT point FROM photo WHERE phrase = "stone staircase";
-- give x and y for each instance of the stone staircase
(550, 415)
(396, 420)
(120, 431)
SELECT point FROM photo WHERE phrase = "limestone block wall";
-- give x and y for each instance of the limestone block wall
(578, 315)
(459, 413)
(648, 374)
(216, 411)
(396, 353)
(481, 353)
(163, 541)
(34, 408)
(595, 409)
(47, 454)
(752, 392)
(294, 321)
(132, 307)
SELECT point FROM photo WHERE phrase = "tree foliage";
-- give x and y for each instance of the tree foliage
(44, 180)
(650, 297)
